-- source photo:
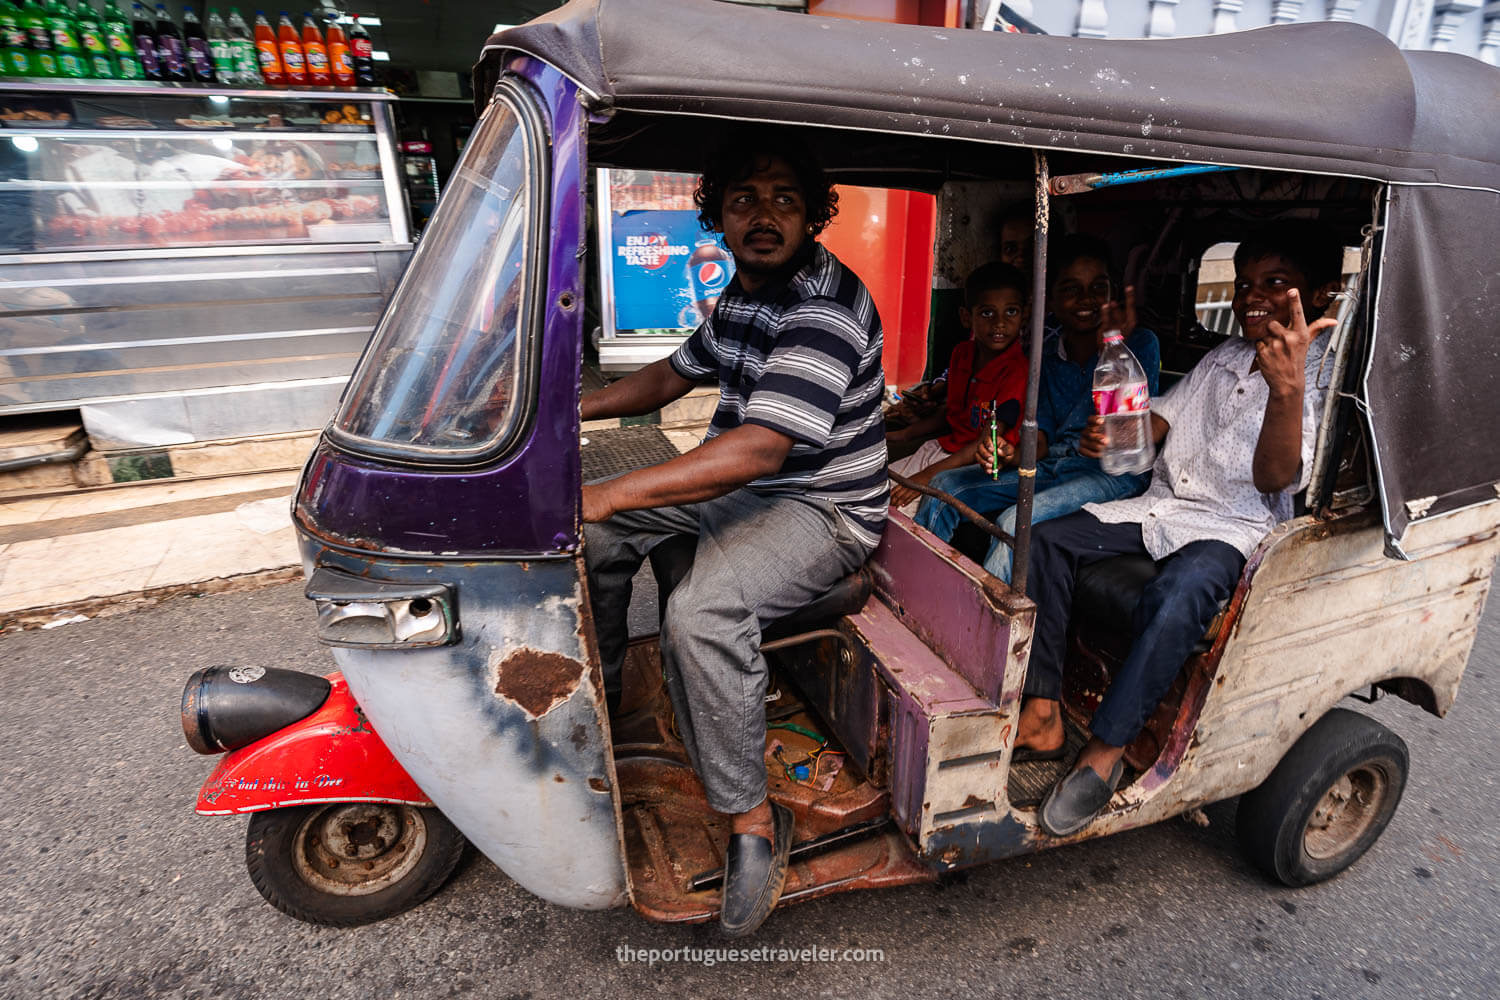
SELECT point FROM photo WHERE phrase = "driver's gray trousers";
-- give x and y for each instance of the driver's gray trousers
(760, 557)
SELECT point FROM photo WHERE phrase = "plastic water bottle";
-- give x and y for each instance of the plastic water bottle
(1122, 396)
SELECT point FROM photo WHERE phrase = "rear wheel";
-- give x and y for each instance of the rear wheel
(1328, 800)
(350, 863)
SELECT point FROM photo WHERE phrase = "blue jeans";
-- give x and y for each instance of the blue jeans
(1063, 485)
(1174, 610)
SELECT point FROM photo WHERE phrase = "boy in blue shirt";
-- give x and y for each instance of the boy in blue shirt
(1079, 293)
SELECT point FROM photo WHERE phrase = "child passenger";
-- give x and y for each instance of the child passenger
(1078, 294)
(1239, 432)
(989, 369)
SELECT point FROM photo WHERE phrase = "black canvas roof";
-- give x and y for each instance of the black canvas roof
(1321, 96)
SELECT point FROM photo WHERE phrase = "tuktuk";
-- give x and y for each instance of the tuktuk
(439, 514)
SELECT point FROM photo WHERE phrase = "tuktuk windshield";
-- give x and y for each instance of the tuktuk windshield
(448, 371)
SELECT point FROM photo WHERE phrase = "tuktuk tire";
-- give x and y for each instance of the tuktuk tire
(273, 838)
(1283, 825)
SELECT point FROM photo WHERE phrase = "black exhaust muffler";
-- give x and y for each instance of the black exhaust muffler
(225, 708)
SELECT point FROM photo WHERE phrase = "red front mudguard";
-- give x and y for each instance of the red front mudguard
(331, 756)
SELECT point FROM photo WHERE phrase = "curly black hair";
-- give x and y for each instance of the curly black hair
(751, 149)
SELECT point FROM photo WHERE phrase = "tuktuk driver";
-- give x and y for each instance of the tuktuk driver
(786, 495)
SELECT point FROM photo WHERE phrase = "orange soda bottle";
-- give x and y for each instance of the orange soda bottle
(340, 62)
(267, 52)
(293, 61)
(316, 52)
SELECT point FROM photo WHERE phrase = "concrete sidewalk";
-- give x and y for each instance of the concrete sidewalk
(92, 551)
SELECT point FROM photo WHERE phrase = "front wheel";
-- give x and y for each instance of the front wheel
(350, 863)
(1328, 800)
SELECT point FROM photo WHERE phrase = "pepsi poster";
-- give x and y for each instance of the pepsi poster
(666, 273)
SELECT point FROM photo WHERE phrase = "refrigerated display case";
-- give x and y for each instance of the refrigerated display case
(420, 169)
(191, 264)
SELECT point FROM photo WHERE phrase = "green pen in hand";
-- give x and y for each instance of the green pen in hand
(994, 442)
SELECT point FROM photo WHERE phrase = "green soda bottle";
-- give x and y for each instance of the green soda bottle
(91, 39)
(39, 39)
(70, 56)
(15, 54)
(117, 39)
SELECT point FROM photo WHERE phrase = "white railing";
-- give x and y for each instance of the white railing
(1471, 27)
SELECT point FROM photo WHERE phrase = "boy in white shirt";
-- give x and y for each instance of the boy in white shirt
(1243, 426)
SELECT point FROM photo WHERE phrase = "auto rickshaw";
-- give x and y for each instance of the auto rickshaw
(439, 515)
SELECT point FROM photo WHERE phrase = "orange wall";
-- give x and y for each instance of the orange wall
(886, 236)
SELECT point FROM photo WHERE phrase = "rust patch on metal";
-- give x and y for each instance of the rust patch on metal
(559, 779)
(579, 737)
(599, 784)
(538, 681)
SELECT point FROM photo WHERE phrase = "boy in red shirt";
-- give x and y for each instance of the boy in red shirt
(987, 370)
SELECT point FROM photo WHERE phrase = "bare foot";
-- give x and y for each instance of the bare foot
(757, 821)
(1100, 756)
(1040, 726)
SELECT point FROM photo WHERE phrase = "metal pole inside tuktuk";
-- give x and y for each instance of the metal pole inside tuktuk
(1026, 473)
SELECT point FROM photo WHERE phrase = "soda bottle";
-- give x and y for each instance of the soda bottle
(143, 33)
(339, 61)
(200, 56)
(293, 60)
(170, 52)
(33, 20)
(69, 54)
(268, 52)
(1122, 396)
(709, 270)
(91, 37)
(316, 52)
(220, 48)
(117, 40)
(242, 49)
(363, 51)
(13, 47)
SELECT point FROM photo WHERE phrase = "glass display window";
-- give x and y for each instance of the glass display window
(146, 170)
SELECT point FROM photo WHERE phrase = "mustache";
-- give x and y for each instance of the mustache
(765, 231)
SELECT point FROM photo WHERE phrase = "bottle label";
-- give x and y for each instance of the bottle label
(14, 37)
(91, 40)
(48, 64)
(41, 38)
(317, 60)
(292, 56)
(118, 44)
(363, 48)
(70, 65)
(270, 62)
(102, 65)
(202, 60)
(223, 53)
(169, 50)
(145, 47)
(19, 64)
(1132, 397)
(245, 58)
(62, 38)
(342, 64)
(129, 68)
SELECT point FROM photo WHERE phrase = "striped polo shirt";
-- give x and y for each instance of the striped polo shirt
(802, 357)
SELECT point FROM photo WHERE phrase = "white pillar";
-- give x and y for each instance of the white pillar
(1409, 21)
(1285, 11)
(1093, 19)
(1225, 12)
(1447, 16)
(1341, 10)
(1489, 44)
(1163, 22)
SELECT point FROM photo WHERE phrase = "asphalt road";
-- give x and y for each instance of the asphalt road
(113, 887)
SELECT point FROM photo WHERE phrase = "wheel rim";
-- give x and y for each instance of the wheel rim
(1346, 812)
(359, 848)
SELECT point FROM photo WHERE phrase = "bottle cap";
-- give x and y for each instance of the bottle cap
(1113, 335)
